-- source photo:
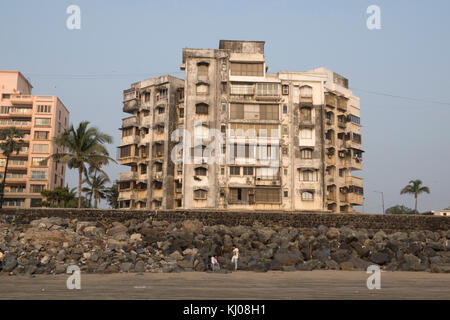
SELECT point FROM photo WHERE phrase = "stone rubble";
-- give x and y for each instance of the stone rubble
(50, 245)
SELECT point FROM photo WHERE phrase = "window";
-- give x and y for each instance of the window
(201, 108)
(236, 194)
(285, 151)
(35, 203)
(42, 121)
(40, 148)
(6, 96)
(306, 92)
(355, 119)
(247, 69)
(14, 202)
(147, 96)
(125, 151)
(38, 175)
(342, 172)
(307, 196)
(235, 171)
(4, 110)
(356, 138)
(268, 112)
(202, 70)
(143, 168)
(39, 162)
(237, 111)
(285, 89)
(242, 88)
(15, 189)
(285, 109)
(223, 128)
(200, 171)
(161, 109)
(222, 171)
(267, 89)
(285, 130)
(306, 153)
(224, 107)
(286, 194)
(308, 175)
(305, 114)
(267, 195)
(127, 132)
(41, 135)
(248, 171)
(200, 194)
(267, 173)
(162, 94)
(306, 133)
(44, 109)
(201, 131)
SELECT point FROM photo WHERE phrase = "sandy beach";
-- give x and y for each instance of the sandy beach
(237, 285)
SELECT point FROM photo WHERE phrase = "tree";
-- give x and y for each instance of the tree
(97, 187)
(82, 146)
(112, 194)
(414, 187)
(399, 209)
(13, 143)
(59, 197)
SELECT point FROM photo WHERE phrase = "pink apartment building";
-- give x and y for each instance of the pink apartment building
(40, 118)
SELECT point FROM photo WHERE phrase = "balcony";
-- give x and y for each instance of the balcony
(128, 176)
(130, 122)
(330, 100)
(21, 99)
(127, 195)
(342, 124)
(130, 106)
(354, 163)
(268, 181)
(342, 103)
(355, 199)
(354, 181)
(127, 140)
(306, 99)
(12, 123)
(127, 160)
(146, 121)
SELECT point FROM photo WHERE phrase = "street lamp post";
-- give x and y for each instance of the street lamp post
(382, 198)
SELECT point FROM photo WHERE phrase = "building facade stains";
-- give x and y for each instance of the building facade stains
(251, 141)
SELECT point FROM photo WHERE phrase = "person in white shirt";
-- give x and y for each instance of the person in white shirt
(215, 263)
(235, 257)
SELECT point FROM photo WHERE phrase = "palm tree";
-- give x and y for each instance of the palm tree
(414, 187)
(97, 187)
(82, 146)
(13, 143)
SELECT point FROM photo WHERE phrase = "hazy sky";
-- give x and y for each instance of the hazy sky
(121, 42)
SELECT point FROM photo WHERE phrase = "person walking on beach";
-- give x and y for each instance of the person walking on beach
(235, 257)
(215, 263)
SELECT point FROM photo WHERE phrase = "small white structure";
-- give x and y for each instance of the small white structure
(445, 212)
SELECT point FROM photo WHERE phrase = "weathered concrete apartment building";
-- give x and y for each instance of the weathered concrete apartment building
(252, 141)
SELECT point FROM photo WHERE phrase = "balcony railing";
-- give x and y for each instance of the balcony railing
(354, 181)
(130, 122)
(127, 176)
(330, 100)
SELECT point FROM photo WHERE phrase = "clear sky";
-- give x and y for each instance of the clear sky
(121, 42)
